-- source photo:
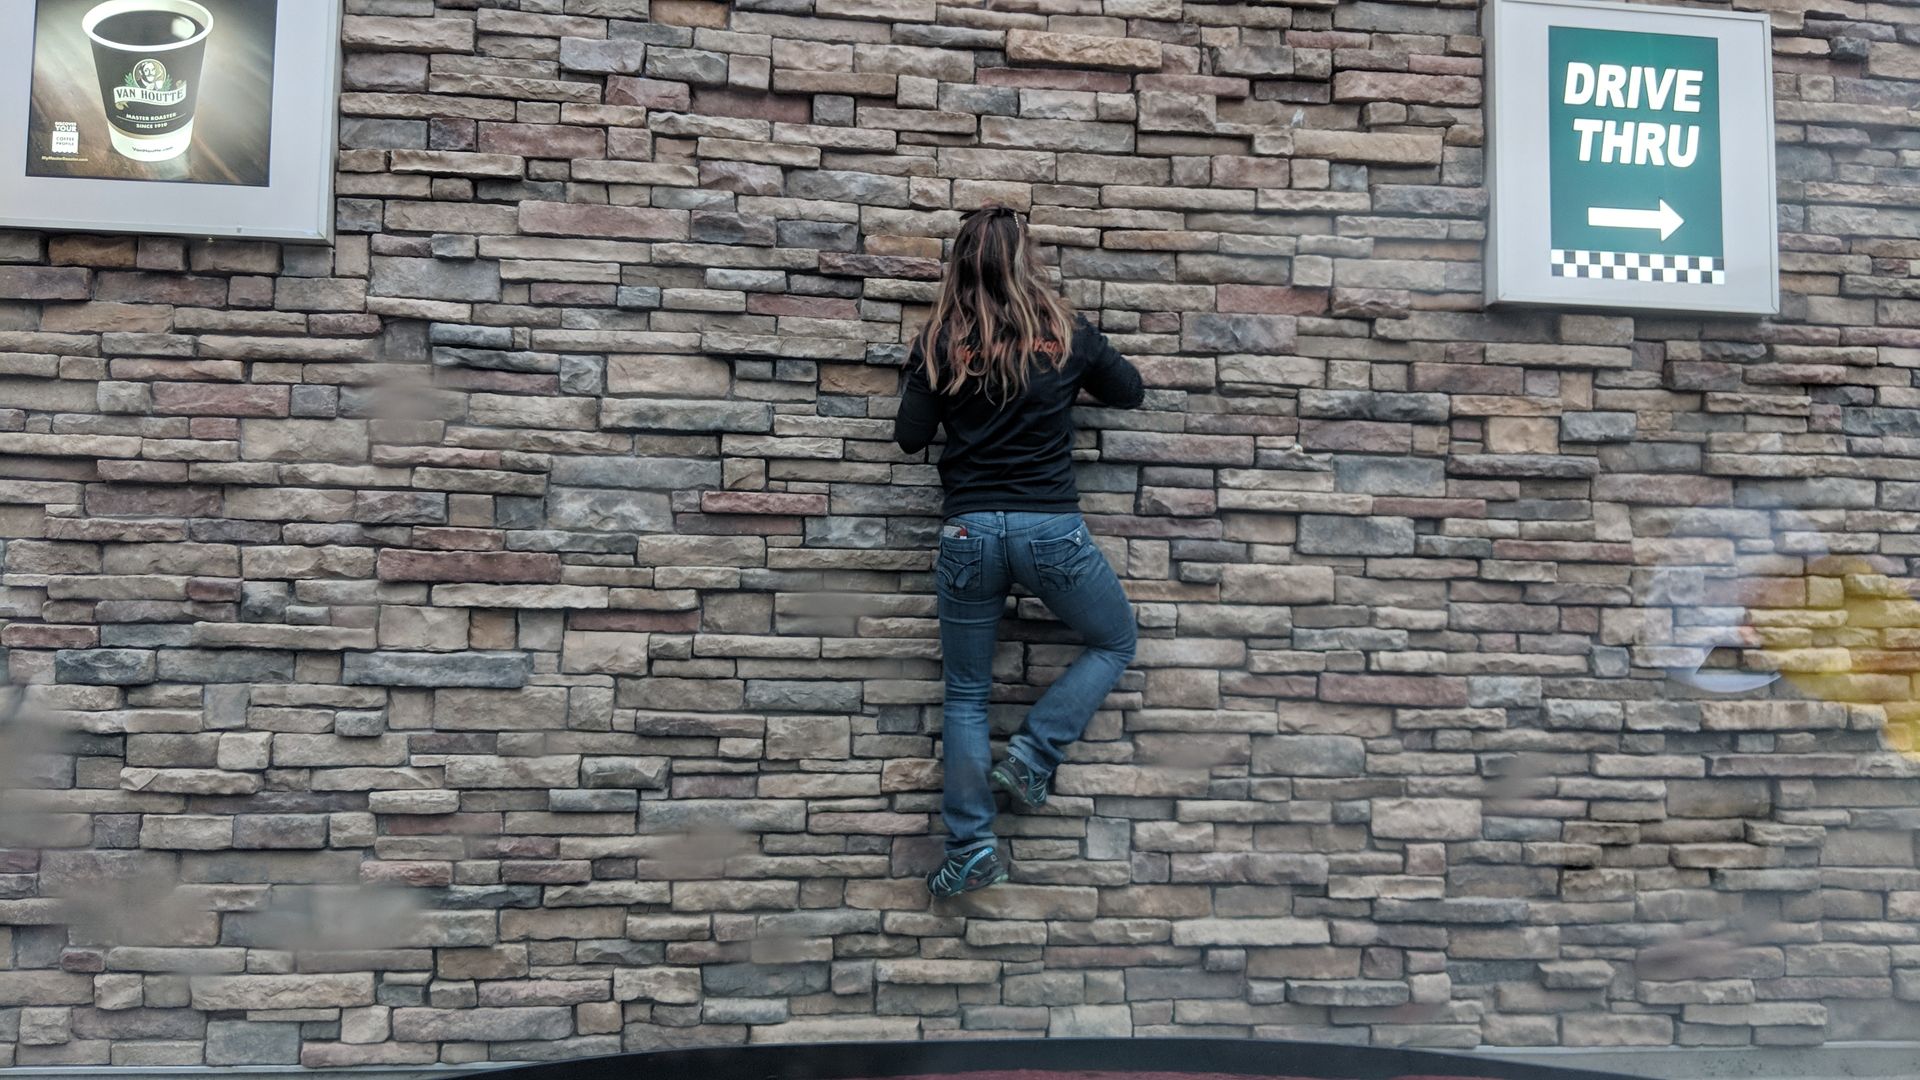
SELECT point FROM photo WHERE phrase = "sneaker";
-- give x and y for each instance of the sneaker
(1026, 788)
(966, 871)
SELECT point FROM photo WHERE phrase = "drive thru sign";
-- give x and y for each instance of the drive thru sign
(1632, 158)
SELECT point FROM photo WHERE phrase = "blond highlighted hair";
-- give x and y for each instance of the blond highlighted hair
(996, 316)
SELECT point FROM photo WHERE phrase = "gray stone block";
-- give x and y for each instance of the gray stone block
(502, 670)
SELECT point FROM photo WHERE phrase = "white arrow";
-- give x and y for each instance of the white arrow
(1666, 219)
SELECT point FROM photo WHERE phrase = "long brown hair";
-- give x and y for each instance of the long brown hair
(995, 315)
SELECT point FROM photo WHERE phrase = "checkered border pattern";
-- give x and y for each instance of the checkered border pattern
(1631, 266)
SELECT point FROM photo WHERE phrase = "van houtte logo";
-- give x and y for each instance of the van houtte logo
(149, 84)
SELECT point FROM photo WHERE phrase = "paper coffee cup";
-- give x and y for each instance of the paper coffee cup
(148, 55)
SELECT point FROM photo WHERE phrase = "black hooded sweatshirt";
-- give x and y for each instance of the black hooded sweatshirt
(1018, 454)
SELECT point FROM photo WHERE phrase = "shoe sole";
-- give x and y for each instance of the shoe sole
(1009, 787)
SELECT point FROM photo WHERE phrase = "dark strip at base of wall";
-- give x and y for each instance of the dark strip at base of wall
(1251, 1058)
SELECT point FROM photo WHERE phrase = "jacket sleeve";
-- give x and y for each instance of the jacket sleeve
(919, 415)
(1109, 377)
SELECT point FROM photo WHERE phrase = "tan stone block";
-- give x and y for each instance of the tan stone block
(217, 993)
(1426, 819)
(1083, 50)
(604, 652)
(1523, 435)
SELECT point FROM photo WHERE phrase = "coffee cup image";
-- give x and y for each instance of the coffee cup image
(147, 55)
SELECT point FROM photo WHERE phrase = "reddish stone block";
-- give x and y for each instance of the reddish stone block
(1099, 82)
(510, 382)
(886, 266)
(439, 538)
(711, 14)
(1430, 691)
(250, 292)
(560, 142)
(545, 873)
(119, 252)
(1372, 303)
(1280, 686)
(1230, 424)
(1217, 85)
(343, 325)
(157, 288)
(713, 787)
(44, 636)
(666, 622)
(1429, 64)
(106, 318)
(1161, 448)
(234, 256)
(143, 472)
(1375, 436)
(397, 564)
(571, 294)
(743, 178)
(762, 502)
(213, 590)
(1271, 300)
(1327, 39)
(1251, 172)
(1393, 506)
(214, 399)
(462, 824)
(738, 525)
(1178, 502)
(1417, 89)
(623, 222)
(414, 874)
(648, 93)
(1470, 378)
(19, 862)
(44, 282)
(1161, 528)
(83, 961)
(133, 500)
(786, 108)
(213, 427)
(515, 847)
(1562, 551)
(811, 307)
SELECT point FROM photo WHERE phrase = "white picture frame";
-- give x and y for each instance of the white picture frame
(295, 203)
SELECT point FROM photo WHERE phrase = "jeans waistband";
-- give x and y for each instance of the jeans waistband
(1004, 522)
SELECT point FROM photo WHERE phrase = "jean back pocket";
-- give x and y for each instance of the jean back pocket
(1062, 560)
(958, 566)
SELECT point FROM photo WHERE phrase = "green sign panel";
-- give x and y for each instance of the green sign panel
(1634, 163)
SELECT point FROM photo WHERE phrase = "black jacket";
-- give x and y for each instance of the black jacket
(1018, 454)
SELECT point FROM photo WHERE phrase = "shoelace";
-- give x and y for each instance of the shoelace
(946, 878)
(1033, 782)
(953, 874)
(1036, 787)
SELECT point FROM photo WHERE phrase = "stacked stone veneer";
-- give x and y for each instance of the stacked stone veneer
(507, 631)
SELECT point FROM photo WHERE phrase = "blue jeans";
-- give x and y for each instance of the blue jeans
(1054, 557)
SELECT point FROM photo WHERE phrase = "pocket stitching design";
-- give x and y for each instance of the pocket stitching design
(957, 565)
(1061, 569)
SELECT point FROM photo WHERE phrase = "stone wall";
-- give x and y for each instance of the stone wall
(507, 633)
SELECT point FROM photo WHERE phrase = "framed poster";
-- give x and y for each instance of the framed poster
(213, 118)
(1631, 158)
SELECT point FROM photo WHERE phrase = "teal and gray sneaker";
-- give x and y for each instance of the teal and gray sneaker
(967, 871)
(1025, 787)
